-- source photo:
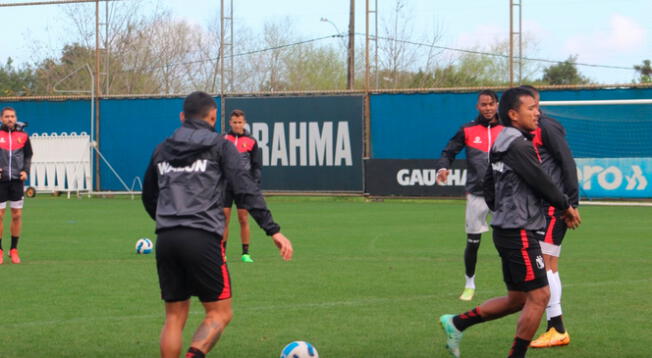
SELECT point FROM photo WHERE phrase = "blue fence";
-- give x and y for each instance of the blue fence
(53, 116)
(403, 126)
(130, 130)
(417, 126)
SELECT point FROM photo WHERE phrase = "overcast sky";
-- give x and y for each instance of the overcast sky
(601, 32)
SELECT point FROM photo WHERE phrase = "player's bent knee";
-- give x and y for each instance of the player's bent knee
(540, 296)
(223, 316)
(219, 311)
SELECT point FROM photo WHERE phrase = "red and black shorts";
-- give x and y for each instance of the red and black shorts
(522, 260)
(555, 227)
(190, 262)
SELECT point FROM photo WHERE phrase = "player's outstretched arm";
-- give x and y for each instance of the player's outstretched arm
(284, 246)
(243, 184)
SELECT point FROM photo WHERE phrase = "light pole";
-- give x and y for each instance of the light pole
(339, 34)
(349, 48)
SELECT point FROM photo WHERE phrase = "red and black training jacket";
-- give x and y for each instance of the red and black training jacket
(247, 146)
(15, 153)
(556, 158)
(477, 137)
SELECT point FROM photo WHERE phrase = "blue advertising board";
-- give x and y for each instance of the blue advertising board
(307, 143)
(615, 177)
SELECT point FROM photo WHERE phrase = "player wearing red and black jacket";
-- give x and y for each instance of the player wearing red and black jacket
(557, 161)
(247, 146)
(477, 137)
(15, 162)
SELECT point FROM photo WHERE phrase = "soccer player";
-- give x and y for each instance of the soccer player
(514, 186)
(477, 137)
(15, 161)
(250, 155)
(184, 192)
(557, 161)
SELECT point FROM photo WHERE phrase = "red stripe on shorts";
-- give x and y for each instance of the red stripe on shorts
(551, 226)
(529, 272)
(226, 290)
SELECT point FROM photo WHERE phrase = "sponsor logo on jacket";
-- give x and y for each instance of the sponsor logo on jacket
(198, 166)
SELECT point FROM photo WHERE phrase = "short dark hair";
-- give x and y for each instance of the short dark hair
(511, 99)
(530, 88)
(198, 104)
(237, 113)
(7, 109)
(489, 93)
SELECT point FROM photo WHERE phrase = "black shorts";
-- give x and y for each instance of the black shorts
(230, 197)
(555, 227)
(11, 190)
(523, 266)
(190, 262)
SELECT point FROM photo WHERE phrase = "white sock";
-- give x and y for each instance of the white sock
(554, 305)
(558, 281)
(470, 282)
(551, 284)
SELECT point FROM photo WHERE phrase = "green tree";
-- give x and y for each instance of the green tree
(470, 71)
(645, 72)
(314, 68)
(16, 81)
(52, 70)
(480, 69)
(564, 73)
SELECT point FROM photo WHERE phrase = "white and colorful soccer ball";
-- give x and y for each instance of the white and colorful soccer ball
(144, 246)
(299, 349)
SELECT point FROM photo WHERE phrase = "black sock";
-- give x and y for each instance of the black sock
(467, 319)
(519, 348)
(471, 253)
(195, 353)
(245, 249)
(14, 242)
(557, 323)
(0, 243)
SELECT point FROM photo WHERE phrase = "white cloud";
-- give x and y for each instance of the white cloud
(624, 36)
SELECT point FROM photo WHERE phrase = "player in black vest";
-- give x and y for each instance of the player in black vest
(183, 191)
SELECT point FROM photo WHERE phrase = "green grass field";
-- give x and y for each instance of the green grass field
(369, 279)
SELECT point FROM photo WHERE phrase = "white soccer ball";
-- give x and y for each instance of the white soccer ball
(144, 246)
(299, 349)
